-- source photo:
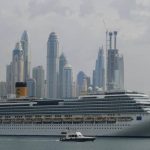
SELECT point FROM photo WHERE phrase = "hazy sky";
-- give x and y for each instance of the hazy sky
(79, 25)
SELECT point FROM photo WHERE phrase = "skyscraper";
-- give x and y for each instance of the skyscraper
(84, 86)
(45, 88)
(25, 45)
(99, 72)
(62, 63)
(67, 81)
(17, 67)
(80, 82)
(74, 89)
(115, 66)
(3, 90)
(38, 75)
(9, 79)
(120, 76)
(52, 65)
(31, 87)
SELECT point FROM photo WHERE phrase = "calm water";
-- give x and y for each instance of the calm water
(47, 143)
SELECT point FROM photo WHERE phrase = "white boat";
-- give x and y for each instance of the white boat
(77, 137)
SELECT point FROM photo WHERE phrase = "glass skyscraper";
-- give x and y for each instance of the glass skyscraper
(52, 65)
(62, 63)
(67, 81)
(17, 66)
(25, 45)
(99, 72)
(31, 85)
(115, 66)
(38, 75)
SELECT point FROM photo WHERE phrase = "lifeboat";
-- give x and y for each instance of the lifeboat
(57, 120)
(7, 121)
(47, 120)
(67, 120)
(18, 120)
(37, 120)
(124, 119)
(100, 119)
(78, 119)
(111, 120)
(88, 119)
(26, 121)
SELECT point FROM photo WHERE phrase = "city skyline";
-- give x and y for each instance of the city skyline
(108, 73)
(84, 26)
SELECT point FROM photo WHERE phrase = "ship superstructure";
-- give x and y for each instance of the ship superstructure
(108, 114)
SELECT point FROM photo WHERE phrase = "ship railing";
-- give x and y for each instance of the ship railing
(6, 121)
(19, 120)
(88, 118)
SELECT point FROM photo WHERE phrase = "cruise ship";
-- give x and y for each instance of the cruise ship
(122, 114)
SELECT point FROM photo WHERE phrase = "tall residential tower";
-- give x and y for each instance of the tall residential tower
(62, 63)
(38, 75)
(99, 72)
(17, 67)
(67, 81)
(115, 66)
(25, 48)
(52, 65)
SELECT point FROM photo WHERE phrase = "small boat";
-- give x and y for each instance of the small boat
(77, 137)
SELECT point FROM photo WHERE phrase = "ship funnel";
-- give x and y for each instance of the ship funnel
(21, 89)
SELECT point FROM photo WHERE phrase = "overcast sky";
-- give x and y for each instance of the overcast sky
(79, 25)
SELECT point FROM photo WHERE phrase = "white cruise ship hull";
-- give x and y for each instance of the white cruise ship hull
(125, 114)
(124, 129)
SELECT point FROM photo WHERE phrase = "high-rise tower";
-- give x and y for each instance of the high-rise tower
(31, 85)
(9, 79)
(62, 63)
(38, 75)
(115, 66)
(52, 65)
(67, 81)
(25, 45)
(17, 66)
(121, 72)
(99, 73)
(81, 76)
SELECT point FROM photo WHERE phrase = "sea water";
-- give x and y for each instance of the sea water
(49, 143)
